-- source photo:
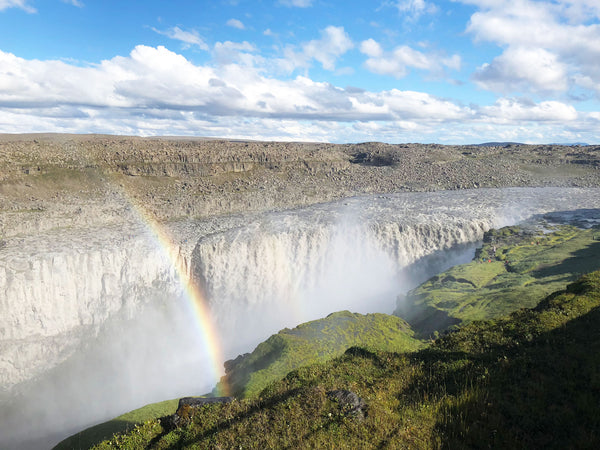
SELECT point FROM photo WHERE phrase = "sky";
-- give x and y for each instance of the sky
(397, 71)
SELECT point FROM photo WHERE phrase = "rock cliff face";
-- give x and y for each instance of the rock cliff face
(58, 287)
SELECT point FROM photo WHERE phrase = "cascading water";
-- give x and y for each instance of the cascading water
(95, 322)
(293, 267)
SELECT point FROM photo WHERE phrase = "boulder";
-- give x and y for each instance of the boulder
(349, 403)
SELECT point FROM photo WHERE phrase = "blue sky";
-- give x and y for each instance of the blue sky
(447, 71)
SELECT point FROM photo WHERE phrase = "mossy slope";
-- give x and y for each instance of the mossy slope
(315, 341)
(515, 268)
(121, 424)
(247, 375)
(530, 380)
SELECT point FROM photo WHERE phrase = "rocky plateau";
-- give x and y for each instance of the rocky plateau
(54, 181)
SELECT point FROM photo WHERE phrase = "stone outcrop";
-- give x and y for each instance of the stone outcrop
(349, 403)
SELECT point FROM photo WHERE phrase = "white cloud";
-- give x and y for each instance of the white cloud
(189, 38)
(371, 48)
(235, 23)
(156, 78)
(296, 3)
(157, 91)
(22, 4)
(413, 9)
(77, 3)
(562, 35)
(523, 69)
(397, 62)
(240, 53)
(581, 10)
(454, 62)
(507, 110)
(334, 42)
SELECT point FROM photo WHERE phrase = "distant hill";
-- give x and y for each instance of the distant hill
(497, 144)
(572, 144)
(507, 144)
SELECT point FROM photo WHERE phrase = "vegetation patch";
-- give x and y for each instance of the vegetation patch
(515, 268)
(122, 424)
(529, 380)
(315, 341)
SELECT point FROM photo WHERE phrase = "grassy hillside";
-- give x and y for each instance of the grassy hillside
(315, 341)
(531, 380)
(121, 424)
(247, 375)
(515, 268)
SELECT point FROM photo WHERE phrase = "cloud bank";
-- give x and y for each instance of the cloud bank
(158, 91)
(548, 46)
(529, 89)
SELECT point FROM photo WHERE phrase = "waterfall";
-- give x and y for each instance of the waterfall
(265, 276)
(56, 286)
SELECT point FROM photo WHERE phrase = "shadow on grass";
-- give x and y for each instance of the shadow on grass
(96, 434)
(543, 394)
(364, 353)
(584, 260)
(256, 407)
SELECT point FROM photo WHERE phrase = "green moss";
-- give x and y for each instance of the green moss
(515, 268)
(122, 424)
(318, 340)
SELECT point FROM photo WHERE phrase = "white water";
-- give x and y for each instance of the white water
(92, 323)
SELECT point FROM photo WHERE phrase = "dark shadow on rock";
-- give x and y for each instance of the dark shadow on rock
(349, 403)
(375, 159)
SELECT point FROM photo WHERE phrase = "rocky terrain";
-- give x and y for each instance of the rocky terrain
(50, 181)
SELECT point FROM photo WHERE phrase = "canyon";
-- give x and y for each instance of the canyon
(101, 236)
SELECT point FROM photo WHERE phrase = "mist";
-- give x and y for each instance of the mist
(260, 275)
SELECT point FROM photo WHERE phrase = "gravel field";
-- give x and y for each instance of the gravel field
(50, 181)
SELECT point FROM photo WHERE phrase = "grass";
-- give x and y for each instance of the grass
(315, 341)
(318, 340)
(122, 424)
(529, 380)
(513, 269)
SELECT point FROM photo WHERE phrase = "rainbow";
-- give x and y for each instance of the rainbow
(192, 293)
